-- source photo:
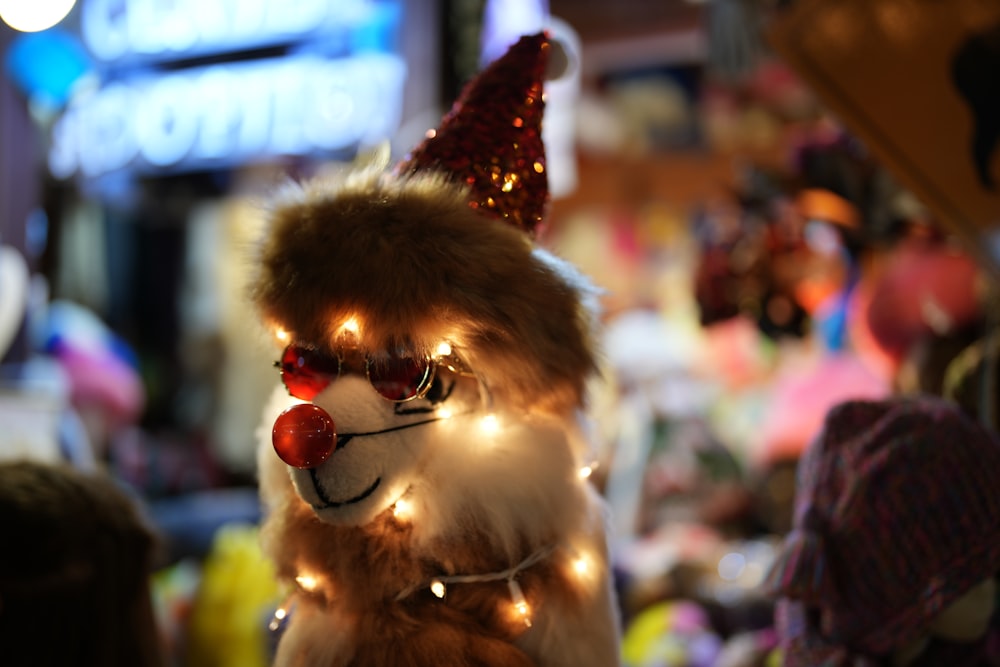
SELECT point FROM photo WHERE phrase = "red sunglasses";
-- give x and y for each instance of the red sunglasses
(306, 372)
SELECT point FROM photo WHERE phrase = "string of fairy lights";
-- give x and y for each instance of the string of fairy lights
(580, 565)
(438, 585)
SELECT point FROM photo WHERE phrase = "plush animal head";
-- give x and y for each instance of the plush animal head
(422, 284)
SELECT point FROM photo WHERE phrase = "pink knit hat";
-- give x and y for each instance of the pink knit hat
(897, 515)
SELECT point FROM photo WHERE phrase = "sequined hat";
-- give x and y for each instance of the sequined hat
(492, 137)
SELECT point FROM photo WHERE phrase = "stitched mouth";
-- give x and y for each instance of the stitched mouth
(328, 503)
(342, 441)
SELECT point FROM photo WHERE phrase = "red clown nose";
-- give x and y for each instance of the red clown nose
(304, 436)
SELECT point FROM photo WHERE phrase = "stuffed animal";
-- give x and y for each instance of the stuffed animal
(425, 494)
(896, 544)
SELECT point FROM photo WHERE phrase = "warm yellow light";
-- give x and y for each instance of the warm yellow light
(279, 615)
(437, 588)
(581, 566)
(350, 326)
(490, 424)
(403, 509)
(586, 471)
(282, 335)
(444, 413)
(34, 15)
(443, 350)
(307, 582)
(520, 603)
(524, 611)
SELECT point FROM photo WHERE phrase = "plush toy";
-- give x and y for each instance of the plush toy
(896, 543)
(671, 633)
(425, 495)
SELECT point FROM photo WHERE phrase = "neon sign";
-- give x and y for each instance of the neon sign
(118, 29)
(225, 114)
(215, 116)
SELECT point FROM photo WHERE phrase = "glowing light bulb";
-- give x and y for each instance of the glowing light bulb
(490, 424)
(403, 509)
(35, 15)
(586, 471)
(444, 413)
(437, 588)
(443, 349)
(281, 335)
(350, 326)
(520, 603)
(307, 582)
(279, 615)
(581, 565)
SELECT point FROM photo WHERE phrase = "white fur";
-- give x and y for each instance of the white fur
(584, 635)
(388, 459)
(588, 293)
(520, 481)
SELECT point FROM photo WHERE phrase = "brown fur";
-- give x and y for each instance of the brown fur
(409, 255)
(374, 563)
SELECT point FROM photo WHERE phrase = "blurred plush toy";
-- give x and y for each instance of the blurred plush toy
(74, 571)
(896, 543)
(236, 590)
(104, 384)
(426, 501)
(929, 287)
(672, 633)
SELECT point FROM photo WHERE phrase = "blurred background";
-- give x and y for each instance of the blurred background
(787, 204)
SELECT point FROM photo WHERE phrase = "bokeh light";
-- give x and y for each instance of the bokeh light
(35, 15)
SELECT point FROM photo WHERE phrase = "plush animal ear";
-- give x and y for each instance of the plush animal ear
(491, 140)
